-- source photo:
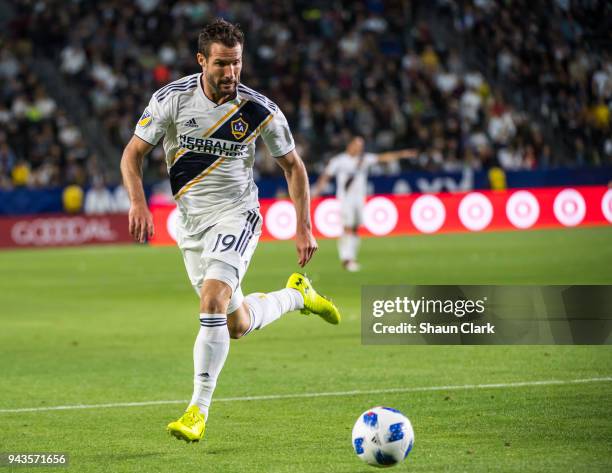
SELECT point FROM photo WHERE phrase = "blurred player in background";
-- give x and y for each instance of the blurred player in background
(210, 123)
(351, 171)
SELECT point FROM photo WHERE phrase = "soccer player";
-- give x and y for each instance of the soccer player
(351, 171)
(210, 122)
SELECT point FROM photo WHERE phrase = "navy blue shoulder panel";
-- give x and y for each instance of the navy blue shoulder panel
(242, 123)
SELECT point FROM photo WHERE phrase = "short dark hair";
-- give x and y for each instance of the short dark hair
(219, 31)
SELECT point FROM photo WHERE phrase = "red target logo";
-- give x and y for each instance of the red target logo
(522, 209)
(606, 205)
(380, 216)
(281, 220)
(475, 211)
(172, 224)
(428, 213)
(569, 207)
(328, 218)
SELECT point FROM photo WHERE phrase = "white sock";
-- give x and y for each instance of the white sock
(344, 248)
(209, 354)
(266, 308)
(353, 246)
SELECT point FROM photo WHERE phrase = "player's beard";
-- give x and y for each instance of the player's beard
(219, 90)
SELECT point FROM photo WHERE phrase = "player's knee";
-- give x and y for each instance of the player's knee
(237, 326)
(214, 304)
(215, 299)
(215, 296)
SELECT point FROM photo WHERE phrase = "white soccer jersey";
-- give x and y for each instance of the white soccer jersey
(351, 175)
(210, 148)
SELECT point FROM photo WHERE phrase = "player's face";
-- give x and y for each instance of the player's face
(222, 68)
(355, 146)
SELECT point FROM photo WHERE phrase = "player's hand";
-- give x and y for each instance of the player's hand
(140, 223)
(306, 246)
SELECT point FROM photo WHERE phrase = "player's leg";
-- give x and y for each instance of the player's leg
(345, 241)
(352, 246)
(257, 310)
(225, 254)
(210, 349)
(212, 343)
(211, 346)
(358, 221)
(349, 242)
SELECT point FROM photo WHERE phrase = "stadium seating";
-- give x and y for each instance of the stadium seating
(377, 69)
(39, 145)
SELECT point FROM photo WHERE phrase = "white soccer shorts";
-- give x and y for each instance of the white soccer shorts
(352, 212)
(231, 241)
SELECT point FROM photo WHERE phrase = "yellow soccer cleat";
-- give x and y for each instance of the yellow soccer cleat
(314, 302)
(190, 427)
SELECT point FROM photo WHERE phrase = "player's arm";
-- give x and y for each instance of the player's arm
(395, 155)
(140, 218)
(150, 128)
(297, 183)
(328, 173)
(321, 184)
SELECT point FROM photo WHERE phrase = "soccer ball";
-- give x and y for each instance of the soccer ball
(382, 437)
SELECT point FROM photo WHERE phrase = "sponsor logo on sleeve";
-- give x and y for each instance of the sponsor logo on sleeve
(146, 119)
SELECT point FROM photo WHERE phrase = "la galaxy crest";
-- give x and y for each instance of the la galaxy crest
(239, 128)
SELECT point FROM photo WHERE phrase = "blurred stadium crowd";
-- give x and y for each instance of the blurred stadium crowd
(555, 59)
(39, 145)
(515, 84)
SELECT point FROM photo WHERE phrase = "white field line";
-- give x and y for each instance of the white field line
(272, 397)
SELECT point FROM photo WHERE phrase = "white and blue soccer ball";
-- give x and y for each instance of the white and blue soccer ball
(382, 437)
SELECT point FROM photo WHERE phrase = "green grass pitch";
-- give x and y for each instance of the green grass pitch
(116, 325)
